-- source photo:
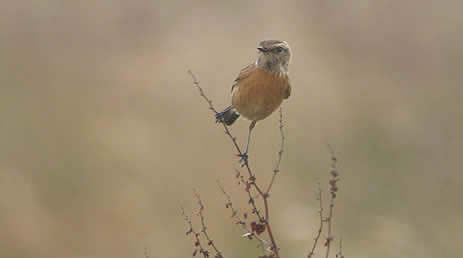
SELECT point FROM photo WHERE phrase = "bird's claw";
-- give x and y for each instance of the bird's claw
(243, 158)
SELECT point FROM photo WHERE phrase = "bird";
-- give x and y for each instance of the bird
(260, 87)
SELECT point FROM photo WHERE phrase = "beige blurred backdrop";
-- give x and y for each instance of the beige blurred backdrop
(103, 136)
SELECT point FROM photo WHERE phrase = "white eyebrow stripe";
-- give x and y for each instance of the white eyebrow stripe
(283, 44)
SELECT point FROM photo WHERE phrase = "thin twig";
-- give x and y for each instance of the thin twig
(280, 153)
(197, 242)
(320, 228)
(210, 242)
(340, 254)
(201, 92)
(211, 107)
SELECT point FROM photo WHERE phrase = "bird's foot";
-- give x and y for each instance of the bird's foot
(243, 159)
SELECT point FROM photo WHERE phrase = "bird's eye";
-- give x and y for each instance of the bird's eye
(279, 49)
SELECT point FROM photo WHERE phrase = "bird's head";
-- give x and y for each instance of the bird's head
(274, 55)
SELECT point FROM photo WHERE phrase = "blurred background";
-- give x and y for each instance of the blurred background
(103, 136)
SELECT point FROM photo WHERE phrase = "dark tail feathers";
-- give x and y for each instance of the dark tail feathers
(228, 116)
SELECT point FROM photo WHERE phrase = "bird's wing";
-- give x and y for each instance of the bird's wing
(245, 72)
(287, 92)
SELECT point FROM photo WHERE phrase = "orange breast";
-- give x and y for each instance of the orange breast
(259, 94)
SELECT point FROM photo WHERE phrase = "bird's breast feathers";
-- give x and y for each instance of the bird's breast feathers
(257, 92)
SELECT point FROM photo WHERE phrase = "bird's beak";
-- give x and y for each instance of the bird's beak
(262, 49)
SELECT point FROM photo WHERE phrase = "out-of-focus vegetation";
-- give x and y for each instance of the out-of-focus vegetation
(103, 136)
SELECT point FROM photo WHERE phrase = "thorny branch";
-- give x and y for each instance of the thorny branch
(280, 153)
(251, 200)
(197, 242)
(227, 131)
(265, 245)
(333, 192)
(210, 242)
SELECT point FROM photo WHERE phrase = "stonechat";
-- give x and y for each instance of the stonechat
(260, 87)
